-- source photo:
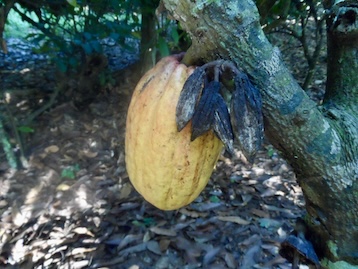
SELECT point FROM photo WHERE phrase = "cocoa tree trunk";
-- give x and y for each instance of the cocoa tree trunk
(320, 142)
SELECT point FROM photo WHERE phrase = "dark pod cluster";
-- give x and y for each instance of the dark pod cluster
(201, 101)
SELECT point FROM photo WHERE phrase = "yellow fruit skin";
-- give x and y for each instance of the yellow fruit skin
(164, 166)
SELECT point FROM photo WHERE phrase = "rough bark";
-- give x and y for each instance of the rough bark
(321, 143)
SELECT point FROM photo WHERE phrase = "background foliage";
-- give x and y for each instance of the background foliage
(75, 29)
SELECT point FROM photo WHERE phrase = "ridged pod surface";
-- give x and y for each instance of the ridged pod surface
(164, 165)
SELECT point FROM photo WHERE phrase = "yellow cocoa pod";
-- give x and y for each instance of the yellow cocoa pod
(164, 165)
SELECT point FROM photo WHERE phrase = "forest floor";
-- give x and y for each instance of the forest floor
(73, 206)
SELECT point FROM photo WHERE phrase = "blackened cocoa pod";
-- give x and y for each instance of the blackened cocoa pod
(250, 138)
(203, 117)
(238, 106)
(222, 125)
(246, 120)
(254, 104)
(189, 97)
(252, 96)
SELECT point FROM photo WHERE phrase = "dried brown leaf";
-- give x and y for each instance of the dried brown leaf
(271, 248)
(251, 240)
(234, 219)
(246, 198)
(192, 213)
(81, 250)
(163, 231)
(63, 187)
(188, 246)
(230, 260)
(125, 190)
(147, 236)
(251, 256)
(260, 213)
(269, 223)
(162, 263)
(154, 247)
(83, 230)
(181, 226)
(268, 193)
(164, 244)
(52, 149)
(138, 248)
(202, 207)
(81, 264)
(210, 256)
(128, 239)
(87, 154)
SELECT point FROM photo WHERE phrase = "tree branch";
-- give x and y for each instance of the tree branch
(231, 30)
(321, 143)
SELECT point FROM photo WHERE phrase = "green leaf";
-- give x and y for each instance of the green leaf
(72, 3)
(76, 167)
(214, 199)
(175, 36)
(68, 173)
(25, 129)
(137, 223)
(148, 221)
(163, 47)
(270, 151)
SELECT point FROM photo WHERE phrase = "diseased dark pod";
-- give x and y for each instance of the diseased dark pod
(253, 98)
(238, 108)
(203, 117)
(202, 101)
(189, 97)
(222, 125)
(247, 119)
